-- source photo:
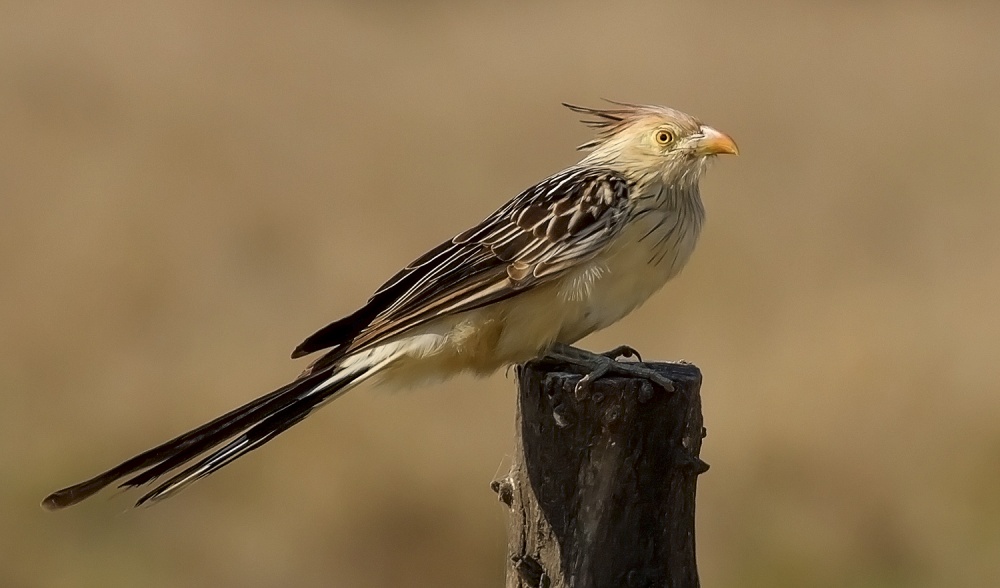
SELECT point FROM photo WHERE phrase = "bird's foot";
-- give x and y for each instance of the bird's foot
(599, 365)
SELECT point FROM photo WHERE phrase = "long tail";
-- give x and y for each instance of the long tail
(246, 428)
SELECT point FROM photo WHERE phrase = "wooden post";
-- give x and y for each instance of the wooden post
(602, 486)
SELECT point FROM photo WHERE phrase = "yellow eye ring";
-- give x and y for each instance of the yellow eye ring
(664, 137)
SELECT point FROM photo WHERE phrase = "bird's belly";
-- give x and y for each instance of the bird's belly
(644, 258)
(483, 340)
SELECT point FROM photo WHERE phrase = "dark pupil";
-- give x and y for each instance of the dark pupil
(664, 137)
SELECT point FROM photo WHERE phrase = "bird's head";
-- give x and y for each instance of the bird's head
(652, 142)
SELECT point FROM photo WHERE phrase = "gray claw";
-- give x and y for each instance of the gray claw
(624, 351)
(662, 381)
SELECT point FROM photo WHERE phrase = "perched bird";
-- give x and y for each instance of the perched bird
(566, 257)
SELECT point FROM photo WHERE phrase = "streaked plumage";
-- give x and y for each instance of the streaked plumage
(566, 257)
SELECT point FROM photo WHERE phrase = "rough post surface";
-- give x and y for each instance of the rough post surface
(602, 487)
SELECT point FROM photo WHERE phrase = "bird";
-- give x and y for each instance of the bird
(566, 257)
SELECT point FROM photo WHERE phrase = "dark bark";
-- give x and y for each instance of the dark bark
(602, 487)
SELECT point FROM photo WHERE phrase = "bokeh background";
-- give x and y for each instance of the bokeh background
(187, 189)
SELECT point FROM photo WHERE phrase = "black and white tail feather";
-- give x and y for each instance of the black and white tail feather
(250, 426)
(245, 428)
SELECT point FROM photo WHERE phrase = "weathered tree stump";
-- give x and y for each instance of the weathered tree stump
(602, 486)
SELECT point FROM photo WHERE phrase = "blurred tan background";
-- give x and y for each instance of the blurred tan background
(190, 188)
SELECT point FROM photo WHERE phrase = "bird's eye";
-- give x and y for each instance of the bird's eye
(664, 137)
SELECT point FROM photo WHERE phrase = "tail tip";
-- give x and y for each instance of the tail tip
(57, 501)
(69, 496)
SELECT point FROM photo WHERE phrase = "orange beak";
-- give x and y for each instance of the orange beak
(713, 142)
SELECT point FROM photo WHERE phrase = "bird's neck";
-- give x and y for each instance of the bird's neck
(668, 195)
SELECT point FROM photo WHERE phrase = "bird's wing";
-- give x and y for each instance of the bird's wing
(536, 237)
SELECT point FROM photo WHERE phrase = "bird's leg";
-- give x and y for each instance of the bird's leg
(602, 364)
